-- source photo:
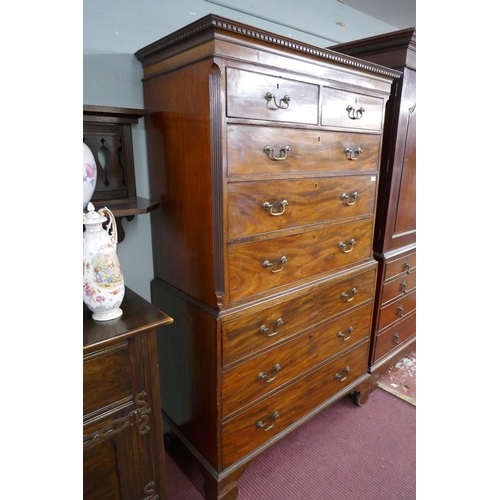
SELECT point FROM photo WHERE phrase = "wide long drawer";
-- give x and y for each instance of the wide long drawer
(107, 377)
(400, 265)
(397, 309)
(252, 428)
(254, 332)
(259, 376)
(267, 97)
(349, 109)
(263, 265)
(265, 206)
(399, 286)
(257, 150)
(395, 335)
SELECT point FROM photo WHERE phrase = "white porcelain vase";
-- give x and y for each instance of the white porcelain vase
(89, 175)
(103, 285)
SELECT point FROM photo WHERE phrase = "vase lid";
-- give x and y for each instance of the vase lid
(93, 217)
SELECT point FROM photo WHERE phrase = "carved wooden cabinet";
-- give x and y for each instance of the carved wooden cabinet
(123, 453)
(394, 325)
(264, 154)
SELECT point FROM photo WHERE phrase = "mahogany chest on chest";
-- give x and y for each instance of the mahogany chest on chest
(264, 153)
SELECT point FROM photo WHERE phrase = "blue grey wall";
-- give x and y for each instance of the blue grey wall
(114, 29)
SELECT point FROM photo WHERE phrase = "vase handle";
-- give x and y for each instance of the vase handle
(106, 212)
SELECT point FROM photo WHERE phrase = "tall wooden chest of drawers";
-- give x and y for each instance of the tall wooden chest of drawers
(264, 154)
(123, 453)
(394, 325)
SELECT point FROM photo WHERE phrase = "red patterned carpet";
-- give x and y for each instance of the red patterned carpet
(346, 452)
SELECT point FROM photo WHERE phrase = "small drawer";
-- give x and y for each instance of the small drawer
(252, 428)
(399, 286)
(393, 337)
(259, 376)
(397, 309)
(400, 265)
(265, 206)
(349, 109)
(260, 330)
(263, 265)
(107, 377)
(257, 150)
(273, 98)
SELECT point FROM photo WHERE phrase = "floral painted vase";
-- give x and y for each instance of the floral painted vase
(89, 175)
(103, 285)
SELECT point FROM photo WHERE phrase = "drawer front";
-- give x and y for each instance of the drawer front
(394, 336)
(267, 97)
(397, 309)
(401, 265)
(348, 109)
(264, 206)
(260, 330)
(254, 150)
(263, 265)
(257, 377)
(262, 422)
(107, 377)
(401, 285)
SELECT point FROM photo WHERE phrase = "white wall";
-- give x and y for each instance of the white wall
(113, 30)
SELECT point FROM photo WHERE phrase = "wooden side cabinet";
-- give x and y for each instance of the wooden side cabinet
(123, 453)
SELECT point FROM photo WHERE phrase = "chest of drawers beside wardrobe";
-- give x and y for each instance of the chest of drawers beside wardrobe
(395, 243)
(264, 153)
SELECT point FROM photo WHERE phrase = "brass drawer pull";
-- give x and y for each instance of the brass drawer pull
(270, 265)
(403, 286)
(342, 336)
(339, 377)
(347, 247)
(264, 376)
(269, 207)
(353, 155)
(395, 338)
(261, 425)
(349, 296)
(350, 198)
(264, 329)
(286, 99)
(406, 267)
(355, 114)
(270, 151)
(400, 311)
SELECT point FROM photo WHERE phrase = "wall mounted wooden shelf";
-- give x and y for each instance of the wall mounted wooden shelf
(107, 131)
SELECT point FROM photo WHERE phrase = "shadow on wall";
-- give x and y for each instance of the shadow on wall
(112, 80)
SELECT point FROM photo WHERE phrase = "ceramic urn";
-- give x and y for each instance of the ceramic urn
(103, 285)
